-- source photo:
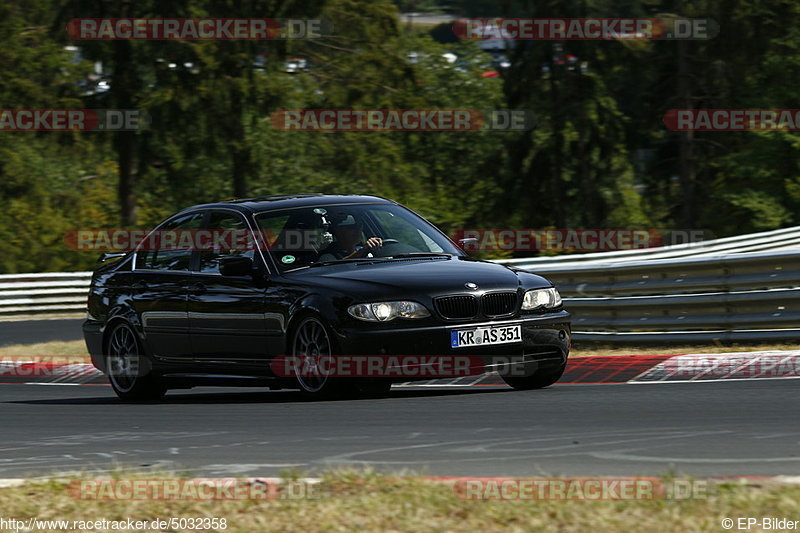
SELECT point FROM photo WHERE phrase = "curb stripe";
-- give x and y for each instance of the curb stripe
(598, 369)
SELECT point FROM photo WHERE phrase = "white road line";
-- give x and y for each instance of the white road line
(54, 384)
(726, 380)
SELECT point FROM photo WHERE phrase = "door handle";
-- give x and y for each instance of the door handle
(139, 285)
(196, 288)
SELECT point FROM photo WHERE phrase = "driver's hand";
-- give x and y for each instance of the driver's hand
(373, 243)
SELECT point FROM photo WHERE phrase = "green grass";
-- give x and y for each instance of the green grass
(75, 350)
(367, 501)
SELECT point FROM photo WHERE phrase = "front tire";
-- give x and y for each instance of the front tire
(313, 347)
(129, 371)
(538, 380)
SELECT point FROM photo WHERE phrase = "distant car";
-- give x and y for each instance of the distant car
(335, 276)
(293, 65)
(96, 82)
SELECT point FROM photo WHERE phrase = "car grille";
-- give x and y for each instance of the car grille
(493, 304)
(457, 306)
(499, 303)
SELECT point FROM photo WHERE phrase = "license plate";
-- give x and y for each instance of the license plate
(485, 336)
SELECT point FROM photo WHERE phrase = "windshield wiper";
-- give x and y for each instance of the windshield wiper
(326, 263)
(372, 259)
(420, 254)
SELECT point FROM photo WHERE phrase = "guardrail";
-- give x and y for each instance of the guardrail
(44, 294)
(774, 241)
(746, 297)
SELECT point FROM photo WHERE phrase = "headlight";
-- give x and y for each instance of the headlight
(385, 311)
(541, 299)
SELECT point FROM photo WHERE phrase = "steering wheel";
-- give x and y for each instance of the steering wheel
(393, 246)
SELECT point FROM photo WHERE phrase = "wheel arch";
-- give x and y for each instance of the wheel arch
(305, 312)
(112, 323)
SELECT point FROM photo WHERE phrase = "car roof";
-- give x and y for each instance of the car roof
(270, 203)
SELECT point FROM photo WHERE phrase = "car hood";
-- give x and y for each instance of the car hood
(403, 277)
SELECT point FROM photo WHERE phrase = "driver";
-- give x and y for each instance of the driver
(347, 233)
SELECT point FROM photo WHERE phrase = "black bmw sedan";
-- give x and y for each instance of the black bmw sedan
(330, 279)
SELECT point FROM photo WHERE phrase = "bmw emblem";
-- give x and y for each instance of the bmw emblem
(471, 286)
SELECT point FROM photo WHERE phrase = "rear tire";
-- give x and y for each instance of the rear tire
(538, 380)
(130, 372)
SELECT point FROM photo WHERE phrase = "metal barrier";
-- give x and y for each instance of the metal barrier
(746, 297)
(743, 296)
(44, 294)
(773, 241)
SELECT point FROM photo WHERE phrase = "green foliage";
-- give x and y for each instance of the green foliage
(599, 155)
(62, 193)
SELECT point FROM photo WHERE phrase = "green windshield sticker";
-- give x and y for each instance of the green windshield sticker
(287, 259)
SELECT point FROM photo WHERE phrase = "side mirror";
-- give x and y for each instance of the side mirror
(235, 266)
(469, 245)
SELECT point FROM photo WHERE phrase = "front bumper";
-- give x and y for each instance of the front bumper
(546, 341)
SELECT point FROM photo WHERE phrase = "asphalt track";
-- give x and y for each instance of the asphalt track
(743, 427)
(33, 331)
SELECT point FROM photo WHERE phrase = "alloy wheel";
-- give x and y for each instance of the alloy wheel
(123, 359)
(312, 350)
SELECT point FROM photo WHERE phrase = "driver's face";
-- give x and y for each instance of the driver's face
(349, 234)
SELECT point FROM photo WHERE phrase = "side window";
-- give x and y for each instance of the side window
(272, 228)
(229, 238)
(170, 258)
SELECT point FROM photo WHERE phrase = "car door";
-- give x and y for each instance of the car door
(227, 315)
(159, 288)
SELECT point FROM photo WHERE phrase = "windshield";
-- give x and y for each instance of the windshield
(329, 234)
